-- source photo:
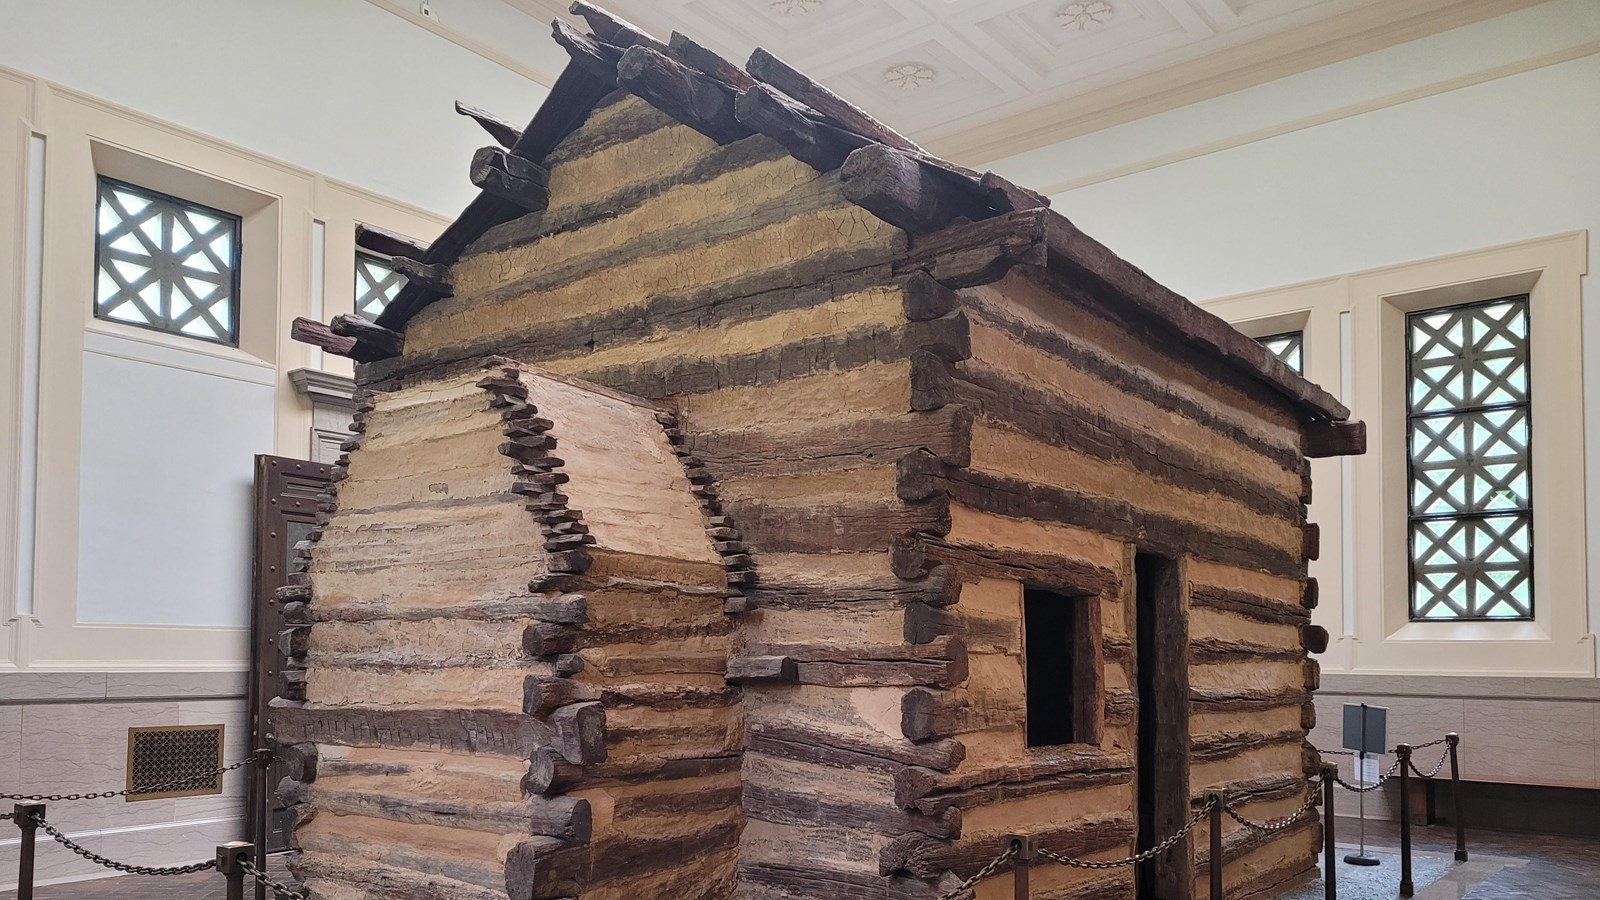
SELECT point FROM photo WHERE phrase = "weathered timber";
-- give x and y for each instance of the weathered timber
(511, 178)
(915, 782)
(384, 879)
(691, 97)
(820, 528)
(937, 587)
(1075, 253)
(965, 255)
(900, 189)
(923, 857)
(580, 732)
(568, 104)
(1243, 699)
(543, 694)
(1314, 638)
(1311, 541)
(770, 803)
(771, 70)
(1060, 573)
(1261, 789)
(431, 277)
(843, 749)
(933, 381)
(1324, 438)
(568, 818)
(545, 867)
(945, 434)
(818, 879)
(1218, 650)
(987, 794)
(368, 334)
(762, 670)
(940, 662)
(948, 337)
(807, 136)
(614, 29)
(1262, 609)
(504, 133)
(474, 731)
(1211, 747)
(595, 57)
(310, 331)
(685, 50)
(1163, 534)
(388, 243)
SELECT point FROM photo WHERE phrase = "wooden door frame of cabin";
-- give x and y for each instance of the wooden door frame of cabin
(1161, 768)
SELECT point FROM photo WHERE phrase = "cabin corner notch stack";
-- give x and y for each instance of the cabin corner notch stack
(745, 503)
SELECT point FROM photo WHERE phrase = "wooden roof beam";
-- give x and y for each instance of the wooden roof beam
(797, 129)
(594, 56)
(903, 190)
(697, 57)
(765, 67)
(504, 133)
(367, 333)
(693, 98)
(387, 243)
(511, 178)
(614, 29)
(310, 331)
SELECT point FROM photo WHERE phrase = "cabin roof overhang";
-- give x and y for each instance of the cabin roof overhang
(966, 227)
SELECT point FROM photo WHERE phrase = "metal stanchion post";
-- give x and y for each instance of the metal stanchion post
(1454, 740)
(1403, 751)
(230, 862)
(1216, 800)
(29, 826)
(1330, 878)
(263, 827)
(1023, 847)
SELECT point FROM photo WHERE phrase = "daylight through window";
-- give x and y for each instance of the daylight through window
(1470, 485)
(166, 264)
(377, 283)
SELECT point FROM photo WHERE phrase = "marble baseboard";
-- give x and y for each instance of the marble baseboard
(166, 844)
(1513, 730)
(28, 686)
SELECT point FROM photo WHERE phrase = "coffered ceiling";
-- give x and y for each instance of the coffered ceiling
(976, 80)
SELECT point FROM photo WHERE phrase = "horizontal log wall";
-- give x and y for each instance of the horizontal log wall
(1081, 424)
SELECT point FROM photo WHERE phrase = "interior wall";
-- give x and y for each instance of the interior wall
(340, 87)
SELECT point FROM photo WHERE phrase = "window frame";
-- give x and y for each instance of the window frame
(236, 264)
(1299, 337)
(1412, 416)
(370, 257)
(1087, 665)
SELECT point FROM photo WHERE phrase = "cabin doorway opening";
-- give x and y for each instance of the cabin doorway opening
(1161, 773)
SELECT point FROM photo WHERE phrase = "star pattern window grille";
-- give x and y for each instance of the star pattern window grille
(377, 284)
(1468, 424)
(166, 264)
(1288, 347)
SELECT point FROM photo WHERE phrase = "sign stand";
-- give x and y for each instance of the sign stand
(1365, 730)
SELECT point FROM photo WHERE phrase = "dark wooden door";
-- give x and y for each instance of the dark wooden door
(287, 492)
(1162, 763)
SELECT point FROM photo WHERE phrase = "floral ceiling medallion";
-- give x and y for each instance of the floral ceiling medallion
(794, 8)
(910, 76)
(1085, 15)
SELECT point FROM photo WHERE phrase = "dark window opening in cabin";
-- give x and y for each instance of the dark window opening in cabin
(1058, 646)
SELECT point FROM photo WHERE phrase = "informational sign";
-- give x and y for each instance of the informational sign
(1369, 774)
(1366, 728)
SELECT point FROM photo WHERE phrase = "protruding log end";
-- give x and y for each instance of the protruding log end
(580, 732)
(427, 276)
(1314, 638)
(511, 178)
(504, 133)
(1335, 439)
(762, 670)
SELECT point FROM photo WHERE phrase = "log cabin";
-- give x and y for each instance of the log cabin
(746, 503)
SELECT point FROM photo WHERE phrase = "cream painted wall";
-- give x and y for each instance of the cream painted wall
(340, 87)
(1470, 139)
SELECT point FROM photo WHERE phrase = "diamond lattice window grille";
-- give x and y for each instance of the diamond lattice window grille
(1288, 347)
(166, 264)
(377, 284)
(1468, 436)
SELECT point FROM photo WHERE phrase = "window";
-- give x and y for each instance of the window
(166, 264)
(377, 283)
(1062, 668)
(1468, 433)
(1288, 347)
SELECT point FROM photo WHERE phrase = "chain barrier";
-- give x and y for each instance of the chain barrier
(1323, 752)
(279, 889)
(988, 870)
(190, 781)
(1393, 769)
(131, 869)
(1157, 850)
(1437, 768)
(1272, 825)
